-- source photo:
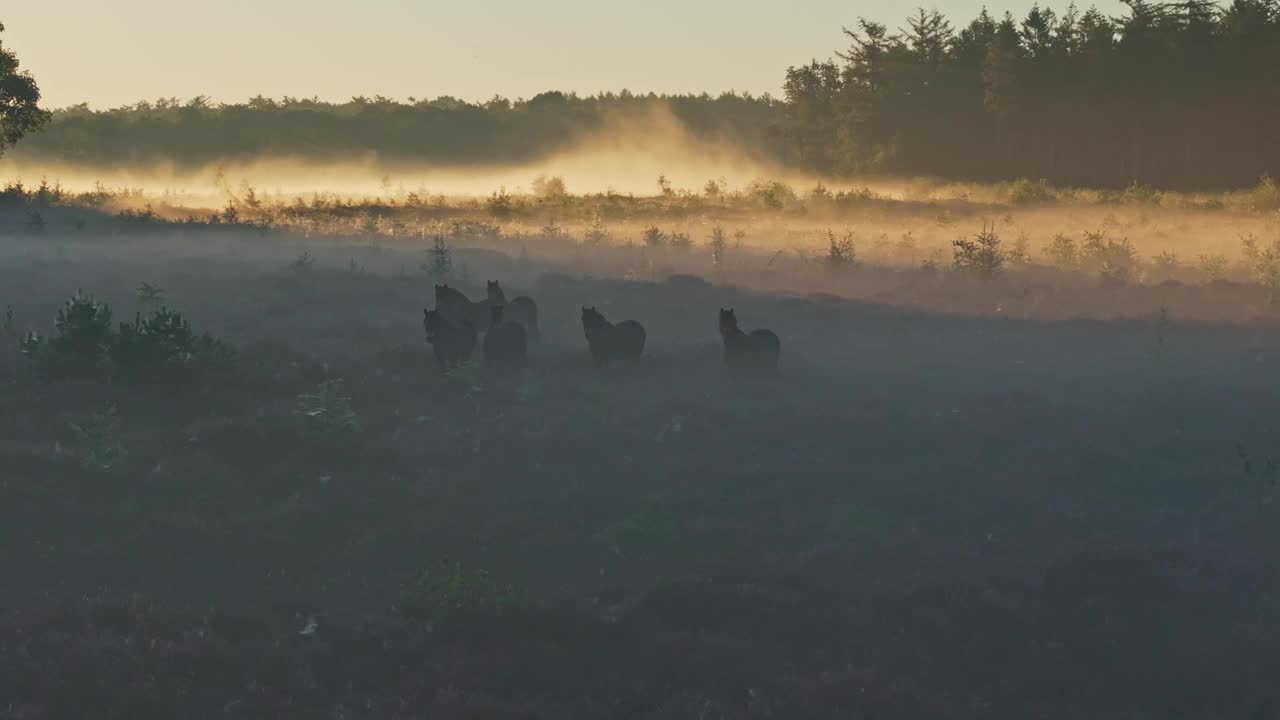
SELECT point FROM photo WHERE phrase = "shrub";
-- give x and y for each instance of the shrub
(771, 194)
(439, 264)
(550, 188)
(81, 344)
(1264, 264)
(464, 231)
(1020, 255)
(681, 241)
(500, 205)
(158, 346)
(841, 253)
(1165, 265)
(1030, 192)
(981, 255)
(719, 245)
(1265, 196)
(653, 237)
(597, 233)
(162, 346)
(1213, 266)
(1114, 261)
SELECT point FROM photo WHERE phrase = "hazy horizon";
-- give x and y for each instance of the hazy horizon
(145, 49)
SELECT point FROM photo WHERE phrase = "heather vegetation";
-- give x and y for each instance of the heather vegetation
(959, 401)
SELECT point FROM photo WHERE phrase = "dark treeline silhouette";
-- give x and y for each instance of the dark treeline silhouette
(444, 130)
(1178, 94)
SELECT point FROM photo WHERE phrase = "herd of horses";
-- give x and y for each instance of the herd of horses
(455, 327)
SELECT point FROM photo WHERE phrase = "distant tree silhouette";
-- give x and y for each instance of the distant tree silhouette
(19, 100)
(1175, 93)
(445, 130)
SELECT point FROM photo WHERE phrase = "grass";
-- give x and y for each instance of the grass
(939, 507)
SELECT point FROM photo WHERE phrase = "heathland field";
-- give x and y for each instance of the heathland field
(1021, 460)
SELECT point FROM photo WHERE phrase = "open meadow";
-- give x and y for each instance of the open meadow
(1021, 459)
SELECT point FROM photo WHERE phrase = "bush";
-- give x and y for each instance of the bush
(1114, 261)
(550, 188)
(81, 345)
(1030, 192)
(719, 245)
(841, 253)
(157, 346)
(653, 237)
(1265, 197)
(500, 205)
(981, 255)
(162, 346)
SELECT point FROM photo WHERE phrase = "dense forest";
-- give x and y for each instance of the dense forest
(1178, 94)
(442, 131)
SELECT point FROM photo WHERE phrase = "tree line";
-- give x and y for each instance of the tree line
(445, 130)
(1177, 94)
(1181, 94)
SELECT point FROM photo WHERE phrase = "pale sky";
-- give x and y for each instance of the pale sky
(113, 53)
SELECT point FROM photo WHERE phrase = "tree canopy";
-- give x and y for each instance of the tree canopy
(1180, 93)
(19, 100)
(446, 130)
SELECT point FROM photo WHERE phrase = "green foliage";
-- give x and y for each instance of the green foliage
(1020, 254)
(551, 189)
(452, 589)
(326, 411)
(597, 233)
(1115, 261)
(772, 194)
(1213, 266)
(1265, 196)
(20, 111)
(161, 345)
(1165, 265)
(443, 131)
(653, 237)
(81, 345)
(439, 264)
(1076, 97)
(980, 255)
(841, 253)
(158, 346)
(500, 205)
(1030, 192)
(1264, 264)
